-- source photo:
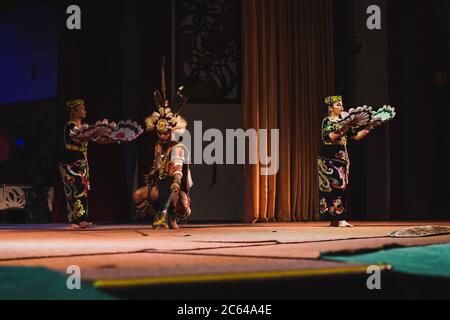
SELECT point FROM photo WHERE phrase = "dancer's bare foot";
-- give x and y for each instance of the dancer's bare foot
(73, 226)
(341, 224)
(85, 224)
(345, 224)
(173, 224)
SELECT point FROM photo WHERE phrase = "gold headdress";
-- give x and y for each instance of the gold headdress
(74, 103)
(166, 117)
(332, 99)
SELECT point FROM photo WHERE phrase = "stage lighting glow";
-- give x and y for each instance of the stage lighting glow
(28, 55)
(20, 142)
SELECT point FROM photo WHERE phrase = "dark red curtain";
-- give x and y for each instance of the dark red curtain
(288, 70)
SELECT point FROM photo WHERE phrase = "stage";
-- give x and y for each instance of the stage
(135, 261)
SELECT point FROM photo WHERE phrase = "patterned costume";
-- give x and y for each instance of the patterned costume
(168, 167)
(334, 169)
(74, 168)
(169, 180)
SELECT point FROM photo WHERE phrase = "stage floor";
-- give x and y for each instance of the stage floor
(136, 252)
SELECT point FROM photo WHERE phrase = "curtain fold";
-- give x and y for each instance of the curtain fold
(287, 71)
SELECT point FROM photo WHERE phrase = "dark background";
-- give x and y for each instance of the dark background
(417, 35)
(113, 62)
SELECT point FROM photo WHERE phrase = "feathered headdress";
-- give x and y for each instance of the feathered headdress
(167, 117)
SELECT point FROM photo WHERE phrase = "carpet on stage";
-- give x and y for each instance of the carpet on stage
(21, 283)
(431, 260)
(419, 232)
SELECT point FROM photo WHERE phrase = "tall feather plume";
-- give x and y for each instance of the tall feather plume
(180, 101)
(159, 102)
(163, 79)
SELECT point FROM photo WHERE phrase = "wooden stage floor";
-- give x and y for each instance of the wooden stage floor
(114, 255)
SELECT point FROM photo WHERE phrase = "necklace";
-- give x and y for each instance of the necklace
(163, 164)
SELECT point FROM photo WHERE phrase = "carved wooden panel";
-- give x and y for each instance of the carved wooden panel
(209, 50)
